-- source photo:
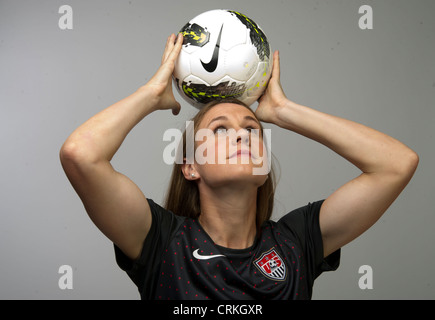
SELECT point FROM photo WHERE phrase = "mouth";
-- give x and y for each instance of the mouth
(241, 153)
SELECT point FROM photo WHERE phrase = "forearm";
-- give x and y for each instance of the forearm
(386, 163)
(101, 136)
(370, 150)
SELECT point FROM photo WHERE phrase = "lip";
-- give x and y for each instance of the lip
(240, 153)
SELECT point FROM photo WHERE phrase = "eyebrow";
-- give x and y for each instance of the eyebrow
(225, 118)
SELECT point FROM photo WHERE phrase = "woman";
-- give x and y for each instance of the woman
(226, 247)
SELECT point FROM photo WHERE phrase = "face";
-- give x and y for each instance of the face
(229, 147)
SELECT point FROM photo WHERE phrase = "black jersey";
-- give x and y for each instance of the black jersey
(180, 261)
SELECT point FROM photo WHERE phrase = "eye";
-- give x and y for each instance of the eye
(252, 130)
(220, 129)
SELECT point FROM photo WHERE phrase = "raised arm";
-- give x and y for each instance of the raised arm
(114, 203)
(387, 165)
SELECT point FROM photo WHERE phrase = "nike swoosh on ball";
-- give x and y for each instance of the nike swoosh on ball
(212, 64)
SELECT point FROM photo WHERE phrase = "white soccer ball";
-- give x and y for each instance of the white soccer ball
(224, 55)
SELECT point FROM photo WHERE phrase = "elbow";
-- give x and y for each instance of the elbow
(70, 153)
(67, 152)
(414, 160)
(74, 154)
(408, 164)
(69, 156)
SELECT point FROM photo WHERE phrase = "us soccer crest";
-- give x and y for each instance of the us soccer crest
(271, 265)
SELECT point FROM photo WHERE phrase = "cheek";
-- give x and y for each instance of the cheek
(257, 147)
(203, 144)
(210, 150)
(221, 147)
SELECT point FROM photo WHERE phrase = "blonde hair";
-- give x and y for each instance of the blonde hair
(183, 197)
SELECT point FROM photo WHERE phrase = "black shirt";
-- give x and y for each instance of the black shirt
(180, 261)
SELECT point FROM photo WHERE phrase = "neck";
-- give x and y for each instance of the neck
(228, 215)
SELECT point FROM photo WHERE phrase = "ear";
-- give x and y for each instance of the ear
(189, 171)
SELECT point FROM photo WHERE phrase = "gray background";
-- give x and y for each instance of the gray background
(52, 80)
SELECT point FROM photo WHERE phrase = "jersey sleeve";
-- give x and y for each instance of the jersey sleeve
(304, 224)
(143, 270)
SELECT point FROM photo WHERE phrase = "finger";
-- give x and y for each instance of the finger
(180, 38)
(276, 67)
(176, 48)
(168, 48)
(165, 51)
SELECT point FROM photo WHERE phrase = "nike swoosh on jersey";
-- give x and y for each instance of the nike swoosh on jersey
(212, 64)
(196, 255)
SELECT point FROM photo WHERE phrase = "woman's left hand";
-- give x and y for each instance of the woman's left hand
(273, 97)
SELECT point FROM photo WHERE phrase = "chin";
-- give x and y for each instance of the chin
(236, 173)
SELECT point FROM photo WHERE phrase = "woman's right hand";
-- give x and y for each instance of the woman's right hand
(160, 85)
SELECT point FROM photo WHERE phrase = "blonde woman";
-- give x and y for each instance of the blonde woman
(214, 238)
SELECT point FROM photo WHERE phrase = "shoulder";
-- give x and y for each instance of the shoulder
(163, 216)
(302, 216)
(164, 224)
(302, 225)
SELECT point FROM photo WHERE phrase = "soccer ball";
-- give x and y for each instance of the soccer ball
(224, 55)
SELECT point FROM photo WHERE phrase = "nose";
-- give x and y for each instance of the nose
(242, 136)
